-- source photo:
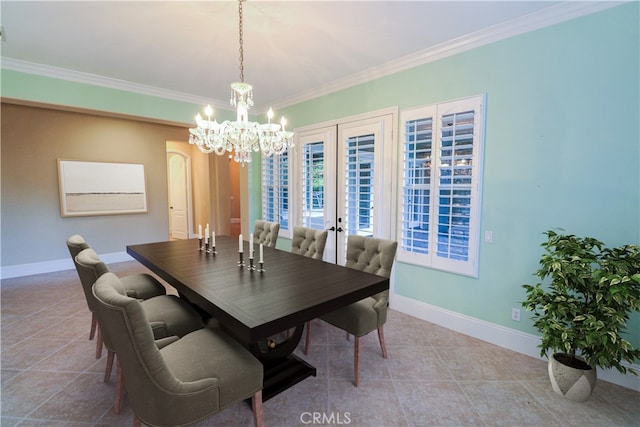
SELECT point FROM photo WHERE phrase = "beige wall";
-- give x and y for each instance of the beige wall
(33, 138)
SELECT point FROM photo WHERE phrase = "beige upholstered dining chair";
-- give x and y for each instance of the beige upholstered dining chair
(266, 233)
(373, 256)
(140, 286)
(169, 315)
(308, 242)
(184, 381)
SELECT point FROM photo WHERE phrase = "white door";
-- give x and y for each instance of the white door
(345, 186)
(178, 205)
(316, 150)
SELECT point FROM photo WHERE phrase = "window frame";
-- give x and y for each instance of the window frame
(431, 259)
(272, 169)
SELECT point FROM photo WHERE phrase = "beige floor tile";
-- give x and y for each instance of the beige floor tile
(433, 376)
(372, 403)
(475, 364)
(417, 363)
(85, 399)
(29, 352)
(596, 411)
(77, 356)
(503, 403)
(23, 393)
(436, 403)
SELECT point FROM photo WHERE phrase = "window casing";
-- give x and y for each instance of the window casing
(275, 190)
(441, 185)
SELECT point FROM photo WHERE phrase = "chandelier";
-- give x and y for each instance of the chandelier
(240, 136)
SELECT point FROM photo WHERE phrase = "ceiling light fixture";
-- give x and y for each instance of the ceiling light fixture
(240, 136)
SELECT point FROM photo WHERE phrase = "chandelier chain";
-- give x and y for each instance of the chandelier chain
(240, 137)
(241, 47)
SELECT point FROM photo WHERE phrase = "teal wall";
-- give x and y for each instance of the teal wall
(562, 145)
(562, 149)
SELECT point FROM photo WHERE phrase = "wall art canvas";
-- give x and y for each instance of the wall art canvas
(101, 188)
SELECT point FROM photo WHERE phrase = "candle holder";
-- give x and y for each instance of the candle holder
(261, 267)
(206, 247)
(212, 250)
(241, 260)
(251, 267)
(200, 247)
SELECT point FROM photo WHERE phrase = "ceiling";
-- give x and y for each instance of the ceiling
(190, 50)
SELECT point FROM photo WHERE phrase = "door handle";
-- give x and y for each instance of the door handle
(340, 230)
(331, 229)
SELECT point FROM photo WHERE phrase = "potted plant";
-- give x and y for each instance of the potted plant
(581, 307)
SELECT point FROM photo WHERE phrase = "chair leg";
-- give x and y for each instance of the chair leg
(356, 360)
(136, 421)
(256, 404)
(94, 324)
(308, 339)
(117, 406)
(99, 343)
(381, 339)
(109, 367)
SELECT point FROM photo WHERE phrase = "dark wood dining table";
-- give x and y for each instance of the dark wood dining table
(255, 306)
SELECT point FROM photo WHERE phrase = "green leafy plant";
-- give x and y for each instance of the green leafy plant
(583, 308)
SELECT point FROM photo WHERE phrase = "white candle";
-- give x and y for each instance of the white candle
(261, 254)
(199, 231)
(251, 245)
(213, 239)
(240, 243)
(206, 234)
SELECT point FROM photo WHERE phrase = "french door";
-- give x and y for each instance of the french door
(344, 180)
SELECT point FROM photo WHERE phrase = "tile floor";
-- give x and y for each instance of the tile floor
(433, 376)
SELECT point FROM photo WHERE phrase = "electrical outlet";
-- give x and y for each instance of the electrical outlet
(515, 314)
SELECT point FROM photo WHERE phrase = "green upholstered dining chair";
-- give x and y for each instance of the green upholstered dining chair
(186, 380)
(140, 285)
(375, 256)
(308, 242)
(169, 315)
(266, 233)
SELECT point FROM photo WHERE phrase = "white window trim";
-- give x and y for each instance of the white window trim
(430, 260)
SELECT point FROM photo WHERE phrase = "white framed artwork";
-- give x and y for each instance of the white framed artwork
(101, 188)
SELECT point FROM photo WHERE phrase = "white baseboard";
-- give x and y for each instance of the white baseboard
(501, 336)
(55, 265)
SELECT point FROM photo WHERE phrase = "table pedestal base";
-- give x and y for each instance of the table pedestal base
(282, 368)
(280, 376)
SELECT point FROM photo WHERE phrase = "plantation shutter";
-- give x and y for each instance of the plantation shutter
(359, 188)
(440, 206)
(275, 189)
(313, 191)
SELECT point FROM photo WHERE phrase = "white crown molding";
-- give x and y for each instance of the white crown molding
(552, 15)
(108, 82)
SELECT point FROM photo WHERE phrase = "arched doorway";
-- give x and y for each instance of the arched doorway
(179, 187)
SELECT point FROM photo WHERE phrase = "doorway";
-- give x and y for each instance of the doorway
(179, 186)
(345, 173)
